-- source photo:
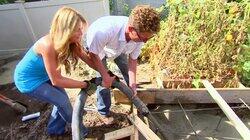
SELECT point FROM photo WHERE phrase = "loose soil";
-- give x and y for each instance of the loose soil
(10, 120)
(13, 128)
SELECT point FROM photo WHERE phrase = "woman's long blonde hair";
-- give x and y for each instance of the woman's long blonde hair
(62, 28)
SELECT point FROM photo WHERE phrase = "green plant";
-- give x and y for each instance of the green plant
(196, 81)
(203, 37)
(243, 65)
(111, 6)
(164, 11)
(13, 1)
(126, 10)
(4, 1)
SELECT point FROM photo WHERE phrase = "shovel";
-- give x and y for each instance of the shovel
(13, 104)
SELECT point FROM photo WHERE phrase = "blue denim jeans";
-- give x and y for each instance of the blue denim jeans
(103, 94)
(62, 109)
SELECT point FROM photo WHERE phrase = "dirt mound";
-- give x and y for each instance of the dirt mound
(10, 120)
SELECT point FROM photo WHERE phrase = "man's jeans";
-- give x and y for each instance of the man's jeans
(103, 94)
(62, 109)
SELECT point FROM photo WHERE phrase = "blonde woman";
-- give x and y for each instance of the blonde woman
(38, 74)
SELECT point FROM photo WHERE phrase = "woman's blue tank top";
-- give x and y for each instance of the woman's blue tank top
(30, 72)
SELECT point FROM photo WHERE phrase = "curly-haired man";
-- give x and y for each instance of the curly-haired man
(119, 38)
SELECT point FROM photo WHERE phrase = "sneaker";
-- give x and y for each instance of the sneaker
(107, 119)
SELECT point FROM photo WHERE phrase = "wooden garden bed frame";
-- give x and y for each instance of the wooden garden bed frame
(209, 94)
(187, 95)
(132, 131)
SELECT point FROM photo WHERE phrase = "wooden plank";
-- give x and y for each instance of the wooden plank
(143, 128)
(191, 95)
(121, 133)
(237, 123)
(136, 135)
(122, 98)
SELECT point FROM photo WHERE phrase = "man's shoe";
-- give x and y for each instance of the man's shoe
(107, 119)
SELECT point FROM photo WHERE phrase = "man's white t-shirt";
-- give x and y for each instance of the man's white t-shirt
(106, 37)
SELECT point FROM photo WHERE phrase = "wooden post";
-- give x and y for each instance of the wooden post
(143, 128)
(237, 123)
(121, 133)
(135, 136)
(26, 20)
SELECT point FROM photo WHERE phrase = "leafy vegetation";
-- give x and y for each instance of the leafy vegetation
(207, 39)
(4, 1)
(111, 6)
(13, 1)
(125, 10)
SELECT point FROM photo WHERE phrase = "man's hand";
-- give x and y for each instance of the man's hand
(98, 66)
(113, 77)
(107, 81)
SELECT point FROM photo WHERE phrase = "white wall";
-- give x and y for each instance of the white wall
(21, 24)
(154, 3)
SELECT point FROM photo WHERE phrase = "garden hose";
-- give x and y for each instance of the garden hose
(78, 110)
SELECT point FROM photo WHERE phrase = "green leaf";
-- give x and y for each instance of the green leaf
(246, 66)
(196, 83)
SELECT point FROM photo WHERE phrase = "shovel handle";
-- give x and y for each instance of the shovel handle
(15, 105)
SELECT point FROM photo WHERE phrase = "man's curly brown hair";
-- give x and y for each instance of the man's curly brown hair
(144, 18)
